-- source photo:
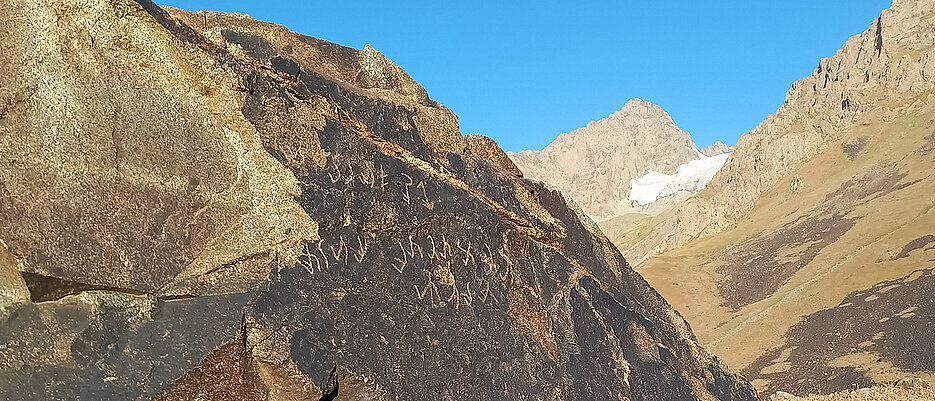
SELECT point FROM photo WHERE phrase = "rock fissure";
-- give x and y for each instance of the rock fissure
(46, 289)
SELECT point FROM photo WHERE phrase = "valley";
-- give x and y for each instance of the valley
(806, 263)
(754, 291)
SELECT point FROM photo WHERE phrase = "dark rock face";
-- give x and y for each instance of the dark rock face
(103, 345)
(312, 237)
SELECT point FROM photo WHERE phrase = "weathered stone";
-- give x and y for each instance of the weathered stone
(242, 212)
(783, 396)
(13, 289)
(912, 382)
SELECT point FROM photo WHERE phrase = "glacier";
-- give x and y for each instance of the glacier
(692, 177)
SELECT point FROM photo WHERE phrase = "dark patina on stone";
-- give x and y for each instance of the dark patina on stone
(431, 270)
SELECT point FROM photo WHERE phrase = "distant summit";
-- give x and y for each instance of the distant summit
(596, 164)
(716, 148)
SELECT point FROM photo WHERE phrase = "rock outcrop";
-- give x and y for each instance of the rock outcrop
(594, 164)
(205, 206)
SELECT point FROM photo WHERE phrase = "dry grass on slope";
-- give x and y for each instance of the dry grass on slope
(877, 393)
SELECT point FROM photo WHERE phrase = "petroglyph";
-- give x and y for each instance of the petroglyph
(400, 264)
(335, 175)
(456, 272)
(361, 251)
(367, 177)
(413, 247)
(322, 252)
(430, 289)
(341, 247)
(407, 185)
(382, 176)
(425, 197)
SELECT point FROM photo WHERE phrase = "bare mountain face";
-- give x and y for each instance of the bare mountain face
(809, 261)
(204, 206)
(594, 164)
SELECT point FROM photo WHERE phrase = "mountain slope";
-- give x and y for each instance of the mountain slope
(594, 164)
(887, 66)
(240, 212)
(814, 269)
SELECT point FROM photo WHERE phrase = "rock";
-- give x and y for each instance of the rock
(862, 393)
(205, 206)
(716, 148)
(912, 382)
(783, 396)
(13, 289)
(484, 148)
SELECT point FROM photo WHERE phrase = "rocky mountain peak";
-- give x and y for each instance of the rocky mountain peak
(716, 148)
(644, 108)
(594, 164)
(635, 113)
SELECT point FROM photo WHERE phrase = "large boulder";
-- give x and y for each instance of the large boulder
(204, 206)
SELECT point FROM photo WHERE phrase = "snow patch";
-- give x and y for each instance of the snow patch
(692, 177)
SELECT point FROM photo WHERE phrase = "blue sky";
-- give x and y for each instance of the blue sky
(524, 71)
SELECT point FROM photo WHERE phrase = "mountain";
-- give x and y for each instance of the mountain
(594, 164)
(716, 148)
(882, 68)
(690, 177)
(808, 260)
(205, 206)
